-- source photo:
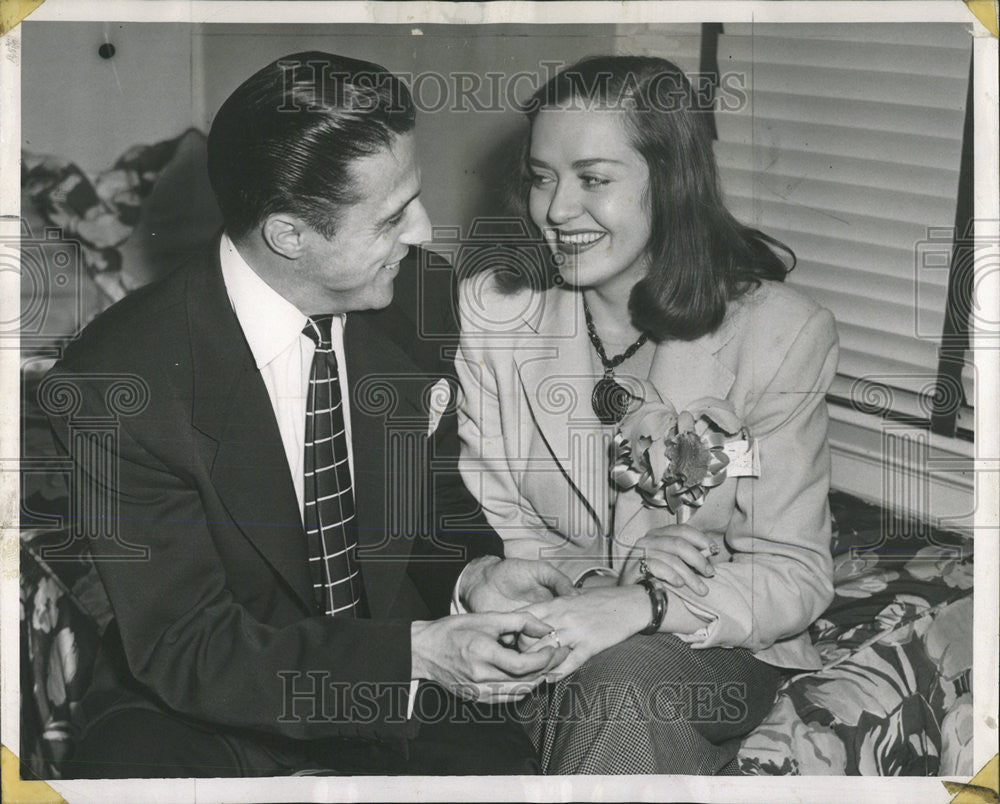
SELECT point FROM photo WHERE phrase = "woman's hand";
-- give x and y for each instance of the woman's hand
(589, 623)
(674, 554)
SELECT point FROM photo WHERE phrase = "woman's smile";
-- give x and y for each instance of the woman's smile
(573, 243)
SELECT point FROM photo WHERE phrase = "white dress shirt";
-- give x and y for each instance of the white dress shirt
(283, 354)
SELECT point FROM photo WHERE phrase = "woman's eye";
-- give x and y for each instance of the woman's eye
(537, 180)
(594, 181)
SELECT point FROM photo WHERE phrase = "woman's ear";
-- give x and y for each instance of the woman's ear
(284, 235)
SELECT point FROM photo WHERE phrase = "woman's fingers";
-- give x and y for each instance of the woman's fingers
(663, 571)
(675, 572)
(528, 645)
(678, 532)
(693, 557)
(573, 662)
(685, 551)
(515, 622)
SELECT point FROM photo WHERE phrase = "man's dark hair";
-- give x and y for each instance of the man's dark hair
(284, 141)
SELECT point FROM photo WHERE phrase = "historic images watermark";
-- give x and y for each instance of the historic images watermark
(93, 462)
(473, 92)
(969, 259)
(315, 696)
(50, 267)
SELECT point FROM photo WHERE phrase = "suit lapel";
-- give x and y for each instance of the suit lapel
(378, 371)
(231, 405)
(557, 378)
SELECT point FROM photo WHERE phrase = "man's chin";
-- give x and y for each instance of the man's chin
(385, 301)
(381, 298)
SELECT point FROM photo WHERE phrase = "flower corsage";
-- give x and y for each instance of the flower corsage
(672, 459)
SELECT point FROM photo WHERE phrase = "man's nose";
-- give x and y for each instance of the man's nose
(418, 229)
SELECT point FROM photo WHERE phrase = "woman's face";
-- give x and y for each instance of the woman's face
(588, 197)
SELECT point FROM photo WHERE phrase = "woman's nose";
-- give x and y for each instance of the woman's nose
(564, 204)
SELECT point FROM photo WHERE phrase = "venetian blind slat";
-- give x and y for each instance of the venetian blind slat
(848, 150)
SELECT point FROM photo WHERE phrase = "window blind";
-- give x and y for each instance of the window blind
(848, 150)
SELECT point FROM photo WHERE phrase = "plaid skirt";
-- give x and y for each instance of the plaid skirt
(650, 704)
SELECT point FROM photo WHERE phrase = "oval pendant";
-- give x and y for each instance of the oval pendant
(610, 401)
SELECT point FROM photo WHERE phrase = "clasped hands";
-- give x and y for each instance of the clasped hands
(531, 625)
(611, 610)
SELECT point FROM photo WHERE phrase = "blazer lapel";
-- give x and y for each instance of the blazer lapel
(232, 407)
(557, 378)
(374, 358)
(682, 372)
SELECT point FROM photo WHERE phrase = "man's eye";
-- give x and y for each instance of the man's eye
(393, 222)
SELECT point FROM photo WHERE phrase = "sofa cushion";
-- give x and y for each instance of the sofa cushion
(894, 695)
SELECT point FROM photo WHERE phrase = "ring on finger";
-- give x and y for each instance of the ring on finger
(555, 636)
(644, 569)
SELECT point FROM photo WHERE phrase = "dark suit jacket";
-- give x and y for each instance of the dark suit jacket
(217, 622)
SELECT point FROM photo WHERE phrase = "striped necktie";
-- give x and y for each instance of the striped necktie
(329, 521)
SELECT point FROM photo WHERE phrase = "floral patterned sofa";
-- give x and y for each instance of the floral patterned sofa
(894, 694)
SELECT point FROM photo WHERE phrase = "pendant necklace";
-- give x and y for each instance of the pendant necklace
(609, 399)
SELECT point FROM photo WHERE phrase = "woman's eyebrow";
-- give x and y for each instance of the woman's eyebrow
(579, 164)
(585, 163)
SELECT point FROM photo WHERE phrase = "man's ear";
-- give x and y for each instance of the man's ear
(285, 235)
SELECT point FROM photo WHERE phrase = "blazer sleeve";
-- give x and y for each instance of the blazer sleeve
(484, 463)
(195, 648)
(780, 578)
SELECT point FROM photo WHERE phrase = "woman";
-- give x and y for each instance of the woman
(653, 285)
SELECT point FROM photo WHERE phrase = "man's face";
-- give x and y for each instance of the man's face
(354, 269)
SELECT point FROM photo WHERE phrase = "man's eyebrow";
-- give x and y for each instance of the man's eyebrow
(579, 164)
(398, 210)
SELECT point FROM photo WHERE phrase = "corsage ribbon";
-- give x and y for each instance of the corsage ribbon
(673, 459)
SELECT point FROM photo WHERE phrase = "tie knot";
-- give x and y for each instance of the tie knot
(319, 328)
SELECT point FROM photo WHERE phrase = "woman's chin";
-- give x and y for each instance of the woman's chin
(567, 277)
(577, 274)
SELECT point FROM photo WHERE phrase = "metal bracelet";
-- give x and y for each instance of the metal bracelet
(594, 571)
(658, 602)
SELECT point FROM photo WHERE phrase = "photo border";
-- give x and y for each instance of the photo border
(646, 788)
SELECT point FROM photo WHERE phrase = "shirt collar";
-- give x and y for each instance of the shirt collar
(269, 321)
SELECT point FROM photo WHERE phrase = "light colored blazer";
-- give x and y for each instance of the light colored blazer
(535, 455)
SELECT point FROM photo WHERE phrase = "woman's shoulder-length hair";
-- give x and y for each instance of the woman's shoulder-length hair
(700, 257)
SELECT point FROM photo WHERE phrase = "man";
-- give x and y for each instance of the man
(271, 627)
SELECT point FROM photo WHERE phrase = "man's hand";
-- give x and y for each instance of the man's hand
(494, 584)
(462, 654)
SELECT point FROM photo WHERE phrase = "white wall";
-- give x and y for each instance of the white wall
(79, 106)
(459, 150)
(166, 77)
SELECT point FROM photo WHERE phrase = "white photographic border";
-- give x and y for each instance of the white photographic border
(646, 788)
